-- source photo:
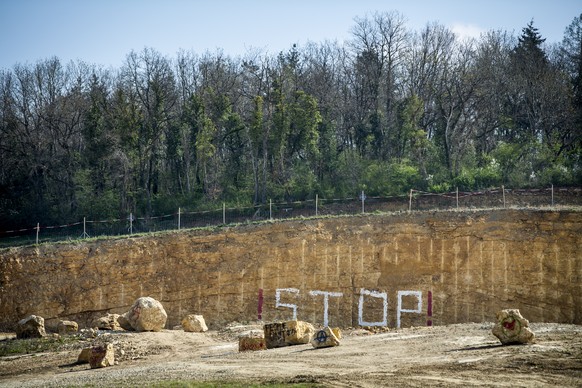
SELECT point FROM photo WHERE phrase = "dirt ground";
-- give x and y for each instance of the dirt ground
(453, 355)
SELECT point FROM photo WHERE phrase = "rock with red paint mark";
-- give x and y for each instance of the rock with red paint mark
(512, 328)
(194, 323)
(146, 314)
(31, 327)
(324, 338)
(252, 340)
(102, 356)
(67, 327)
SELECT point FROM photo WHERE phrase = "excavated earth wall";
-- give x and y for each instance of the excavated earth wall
(420, 268)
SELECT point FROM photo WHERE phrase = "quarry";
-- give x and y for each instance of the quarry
(424, 284)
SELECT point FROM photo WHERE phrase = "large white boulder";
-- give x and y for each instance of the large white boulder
(146, 314)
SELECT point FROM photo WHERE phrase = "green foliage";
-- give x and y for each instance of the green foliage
(386, 179)
(10, 347)
(229, 384)
(303, 183)
(92, 202)
(444, 187)
(477, 178)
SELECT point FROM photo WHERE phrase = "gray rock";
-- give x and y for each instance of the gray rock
(31, 327)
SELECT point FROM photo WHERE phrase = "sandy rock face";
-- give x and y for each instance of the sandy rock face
(324, 338)
(194, 323)
(67, 327)
(31, 327)
(147, 314)
(512, 328)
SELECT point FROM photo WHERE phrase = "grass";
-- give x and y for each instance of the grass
(14, 346)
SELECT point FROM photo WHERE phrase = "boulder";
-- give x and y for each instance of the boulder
(102, 356)
(194, 323)
(287, 333)
(324, 338)
(147, 314)
(108, 322)
(274, 335)
(251, 340)
(67, 327)
(84, 356)
(124, 322)
(30, 327)
(298, 332)
(512, 328)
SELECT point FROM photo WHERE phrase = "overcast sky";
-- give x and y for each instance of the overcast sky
(105, 31)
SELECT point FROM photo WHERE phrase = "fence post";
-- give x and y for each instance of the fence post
(457, 197)
(270, 209)
(410, 201)
(224, 213)
(363, 197)
(37, 231)
(130, 223)
(552, 194)
(85, 234)
(179, 216)
(316, 198)
(503, 190)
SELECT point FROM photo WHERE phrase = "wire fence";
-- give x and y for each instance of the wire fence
(319, 207)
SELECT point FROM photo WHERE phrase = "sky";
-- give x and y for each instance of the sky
(104, 32)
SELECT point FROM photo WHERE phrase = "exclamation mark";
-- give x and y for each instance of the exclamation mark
(260, 307)
(429, 309)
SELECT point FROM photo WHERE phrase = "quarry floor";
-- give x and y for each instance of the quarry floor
(453, 355)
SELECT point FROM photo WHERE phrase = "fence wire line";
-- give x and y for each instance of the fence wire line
(422, 200)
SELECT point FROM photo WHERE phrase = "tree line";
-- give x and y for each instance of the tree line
(388, 110)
